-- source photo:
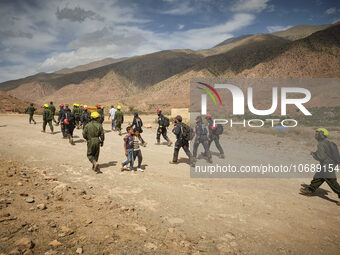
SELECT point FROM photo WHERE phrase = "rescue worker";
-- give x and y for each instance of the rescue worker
(181, 140)
(137, 124)
(201, 138)
(52, 108)
(47, 118)
(327, 173)
(93, 133)
(100, 110)
(85, 117)
(68, 120)
(77, 112)
(163, 124)
(214, 134)
(119, 119)
(30, 110)
(60, 120)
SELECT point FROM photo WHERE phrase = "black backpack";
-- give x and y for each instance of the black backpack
(187, 132)
(166, 121)
(335, 155)
(219, 129)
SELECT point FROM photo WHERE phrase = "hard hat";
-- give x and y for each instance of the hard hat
(323, 130)
(97, 105)
(95, 115)
(208, 116)
(85, 106)
(66, 122)
(76, 105)
(85, 109)
(119, 107)
(159, 111)
(46, 105)
(61, 105)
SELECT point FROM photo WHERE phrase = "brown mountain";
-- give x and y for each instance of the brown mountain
(299, 32)
(9, 103)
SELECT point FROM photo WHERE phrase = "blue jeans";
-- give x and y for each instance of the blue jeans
(129, 158)
(113, 124)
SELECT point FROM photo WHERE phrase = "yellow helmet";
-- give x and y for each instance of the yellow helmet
(95, 115)
(323, 130)
(119, 107)
(85, 106)
(45, 105)
(76, 105)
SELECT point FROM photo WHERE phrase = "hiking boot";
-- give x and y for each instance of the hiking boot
(210, 160)
(120, 133)
(94, 165)
(71, 141)
(43, 131)
(97, 169)
(221, 155)
(169, 143)
(140, 169)
(306, 191)
(173, 162)
(158, 143)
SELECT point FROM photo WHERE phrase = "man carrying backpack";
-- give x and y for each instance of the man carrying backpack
(137, 124)
(30, 110)
(61, 118)
(69, 123)
(201, 138)
(214, 134)
(163, 124)
(328, 156)
(183, 134)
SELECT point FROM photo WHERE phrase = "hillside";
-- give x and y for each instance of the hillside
(299, 32)
(9, 103)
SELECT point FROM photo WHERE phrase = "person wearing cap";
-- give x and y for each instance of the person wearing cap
(100, 110)
(30, 110)
(112, 113)
(201, 138)
(323, 154)
(47, 118)
(52, 108)
(214, 135)
(162, 128)
(181, 142)
(93, 133)
(119, 119)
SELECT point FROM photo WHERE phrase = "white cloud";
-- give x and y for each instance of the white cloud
(336, 20)
(180, 9)
(180, 26)
(330, 11)
(273, 29)
(251, 6)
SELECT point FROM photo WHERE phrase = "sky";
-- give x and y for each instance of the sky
(46, 36)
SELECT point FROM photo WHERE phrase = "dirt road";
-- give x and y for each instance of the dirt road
(218, 216)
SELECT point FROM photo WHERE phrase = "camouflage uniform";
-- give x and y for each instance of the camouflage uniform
(77, 112)
(52, 108)
(101, 113)
(47, 118)
(119, 119)
(30, 110)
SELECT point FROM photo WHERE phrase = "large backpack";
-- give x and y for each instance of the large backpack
(166, 121)
(187, 132)
(335, 155)
(219, 129)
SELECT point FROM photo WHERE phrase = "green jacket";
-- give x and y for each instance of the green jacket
(93, 130)
(47, 115)
(323, 153)
(52, 108)
(30, 110)
(119, 117)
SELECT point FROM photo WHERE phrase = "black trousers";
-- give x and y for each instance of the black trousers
(216, 139)
(205, 143)
(138, 154)
(180, 143)
(163, 133)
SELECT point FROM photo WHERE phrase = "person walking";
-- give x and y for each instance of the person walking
(163, 124)
(119, 119)
(30, 110)
(47, 118)
(112, 113)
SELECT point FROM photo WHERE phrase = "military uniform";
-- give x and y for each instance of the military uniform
(77, 112)
(47, 118)
(93, 133)
(101, 113)
(119, 119)
(61, 117)
(52, 108)
(30, 110)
